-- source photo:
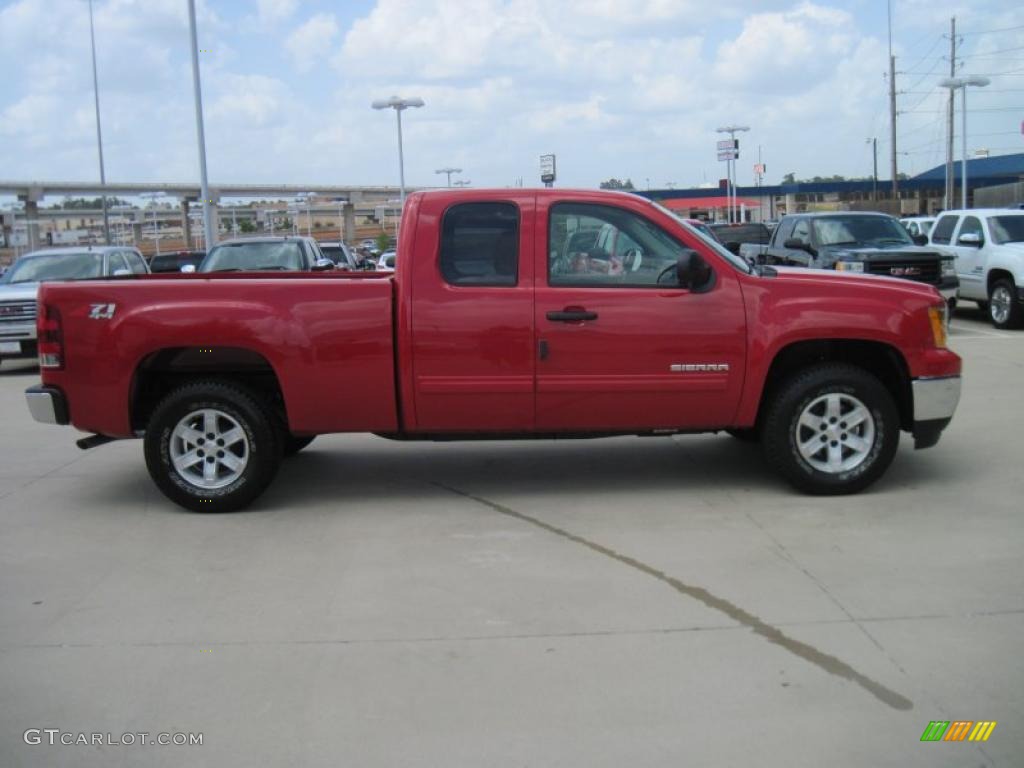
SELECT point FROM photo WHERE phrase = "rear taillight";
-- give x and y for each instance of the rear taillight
(51, 338)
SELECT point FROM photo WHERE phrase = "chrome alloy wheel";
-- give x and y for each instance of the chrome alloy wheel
(209, 449)
(999, 304)
(835, 433)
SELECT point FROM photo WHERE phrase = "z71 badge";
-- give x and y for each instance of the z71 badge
(102, 311)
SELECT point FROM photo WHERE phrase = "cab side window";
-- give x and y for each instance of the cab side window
(135, 262)
(802, 231)
(117, 262)
(943, 231)
(605, 246)
(480, 244)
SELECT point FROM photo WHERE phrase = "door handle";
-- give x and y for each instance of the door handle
(571, 315)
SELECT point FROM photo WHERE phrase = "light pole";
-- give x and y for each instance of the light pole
(730, 166)
(462, 183)
(399, 104)
(449, 172)
(874, 174)
(208, 231)
(99, 132)
(962, 82)
(306, 197)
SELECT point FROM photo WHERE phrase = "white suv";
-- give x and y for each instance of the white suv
(989, 247)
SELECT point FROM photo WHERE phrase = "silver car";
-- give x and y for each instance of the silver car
(19, 287)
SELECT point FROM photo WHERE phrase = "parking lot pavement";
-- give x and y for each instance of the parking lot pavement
(604, 603)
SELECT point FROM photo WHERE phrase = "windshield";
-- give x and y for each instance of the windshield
(712, 243)
(1007, 229)
(254, 256)
(742, 233)
(859, 230)
(56, 266)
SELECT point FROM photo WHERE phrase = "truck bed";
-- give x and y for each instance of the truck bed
(328, 338)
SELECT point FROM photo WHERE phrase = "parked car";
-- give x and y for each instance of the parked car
(732, 236)
(702, 226)
(488, 334)
(918, 225)
(386, 261)
(175, 260)
(869, 243)
(343, 256)
(20, 286)
(256, 254)
(988, 244)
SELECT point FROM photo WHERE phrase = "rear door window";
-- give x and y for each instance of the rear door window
(480, 244)
(971, 226)
(943, 232)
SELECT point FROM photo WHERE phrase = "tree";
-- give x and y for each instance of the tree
(616, 184)
(383, 241)
(246, 225)
(789, 178)
(82, 203)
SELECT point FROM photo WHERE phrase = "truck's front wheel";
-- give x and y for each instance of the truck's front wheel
(212, 447)
(831, 429)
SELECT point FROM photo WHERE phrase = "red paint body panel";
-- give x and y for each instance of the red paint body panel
(466, 358)
(328, 339)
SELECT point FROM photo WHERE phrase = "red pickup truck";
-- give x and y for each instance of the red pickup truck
(513, 314)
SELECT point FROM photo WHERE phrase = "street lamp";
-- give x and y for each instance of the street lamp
(962, 82)
(197, 92)
(306, 197)
(462, 183)
(99, 132)
(449, 172)
(399, 104)
(874, 175)
(730, 166)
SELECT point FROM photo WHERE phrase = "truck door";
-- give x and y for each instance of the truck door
(620, 346)
(970, 258)
(472, 314)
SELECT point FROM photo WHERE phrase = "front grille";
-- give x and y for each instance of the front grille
(17, 311)
(921, 271)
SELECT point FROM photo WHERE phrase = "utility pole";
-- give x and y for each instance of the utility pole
(947, 202)
(99, 131)
(892, 114)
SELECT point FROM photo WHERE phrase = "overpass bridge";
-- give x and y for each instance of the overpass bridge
(347, 197)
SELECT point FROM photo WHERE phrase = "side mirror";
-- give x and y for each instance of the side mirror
(919, 239)
(972, 239)
(693, 272)
(122, 272)
(733, 247)
(796, 244)
(188, 268)
(322, 265)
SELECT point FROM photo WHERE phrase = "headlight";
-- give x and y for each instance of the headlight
(937, 319)
(948, 268)
(850, 266)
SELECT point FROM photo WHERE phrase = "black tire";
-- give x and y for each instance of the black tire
(746, 434)
(293, 444)
(262, 449)
(781, 428)
(1011, 305)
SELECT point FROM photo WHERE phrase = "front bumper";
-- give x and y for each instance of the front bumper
(935, 401)
(47, 405)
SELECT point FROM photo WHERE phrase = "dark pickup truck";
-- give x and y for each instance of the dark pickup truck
(869, 243)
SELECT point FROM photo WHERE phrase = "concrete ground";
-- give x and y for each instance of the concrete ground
(641, 602)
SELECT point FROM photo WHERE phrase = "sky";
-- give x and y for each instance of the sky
(614, 88)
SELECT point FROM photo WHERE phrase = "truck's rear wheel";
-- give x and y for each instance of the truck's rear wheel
(212, 446)
(1003, 308)
(831, 429)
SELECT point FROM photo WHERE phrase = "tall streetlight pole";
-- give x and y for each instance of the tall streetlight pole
(730, 166)
(449, 172)
(962, 82)
(399, 104)
(152, 197)
(874, 172)
(99, 131)
(208, 229)
(462, 183)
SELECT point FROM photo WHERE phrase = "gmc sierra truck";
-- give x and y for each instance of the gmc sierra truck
(870, 243)
(511, 314)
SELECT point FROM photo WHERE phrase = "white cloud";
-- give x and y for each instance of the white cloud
(311, 42)
(274, 11)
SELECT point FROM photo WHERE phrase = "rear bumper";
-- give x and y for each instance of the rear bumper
(935, 401)
(47, 405)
